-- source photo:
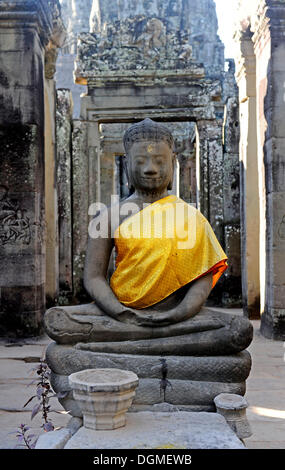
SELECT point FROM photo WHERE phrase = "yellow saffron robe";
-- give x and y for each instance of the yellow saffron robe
(162, 248)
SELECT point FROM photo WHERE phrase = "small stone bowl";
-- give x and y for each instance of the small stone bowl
(104, 396)
(233, 408)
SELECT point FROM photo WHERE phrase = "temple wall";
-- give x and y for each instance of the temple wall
(25, 32)
(196, 16)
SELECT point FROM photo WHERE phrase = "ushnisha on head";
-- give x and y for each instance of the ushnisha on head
(148, 130)
(150, 156)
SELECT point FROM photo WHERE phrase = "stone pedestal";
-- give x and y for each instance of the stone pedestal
(104, 396)
(151, 430)
(193, 382)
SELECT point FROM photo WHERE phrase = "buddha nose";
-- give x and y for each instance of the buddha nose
(150, 168)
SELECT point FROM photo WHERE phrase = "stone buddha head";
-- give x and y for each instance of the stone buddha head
(150, 156)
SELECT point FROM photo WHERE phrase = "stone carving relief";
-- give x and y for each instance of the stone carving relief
(153, 37)
(134, 44)
(14, 224)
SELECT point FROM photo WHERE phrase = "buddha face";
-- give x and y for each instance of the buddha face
(150, 165)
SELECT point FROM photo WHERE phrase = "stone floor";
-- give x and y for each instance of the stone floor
(265, 391)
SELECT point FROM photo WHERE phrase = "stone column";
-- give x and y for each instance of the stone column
(25, 30)
(218, 189)
(64, 188)
(269, 46)
(51, 190)
(51, 211)
(210, 177)
(209, 165)
(249, 190)
(80, 203)
(86, 190)
(231, 296)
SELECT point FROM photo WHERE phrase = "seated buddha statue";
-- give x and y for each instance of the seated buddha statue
(168, 260)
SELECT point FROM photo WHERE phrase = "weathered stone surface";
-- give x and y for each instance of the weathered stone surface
(53, 439)
(80, 172)
(57, 439)
(149, 392)
(22, 229)
(216, 334)
(64, 360)
(146, 430)
(194, 381)
(231, 283)
(64, 185)
(74, 424)
(187, 15)
(103, 380)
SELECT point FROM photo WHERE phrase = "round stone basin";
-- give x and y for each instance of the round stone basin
(230, 401)
(104, 396)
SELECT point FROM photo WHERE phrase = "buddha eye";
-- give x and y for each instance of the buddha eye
(140, 160)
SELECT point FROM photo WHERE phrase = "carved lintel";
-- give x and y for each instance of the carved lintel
(135, 44)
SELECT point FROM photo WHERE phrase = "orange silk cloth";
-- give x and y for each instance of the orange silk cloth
(162, 248)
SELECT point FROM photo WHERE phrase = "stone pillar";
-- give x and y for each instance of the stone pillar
(218, 195)
(269, 46)
(80, 203)
(51, 211)
(26, 28)
(231, 296)
(22, 166)
(210, 177)
(209, 166)
(51, 194)
(64, 187)
(249, 189)
(86, 190)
